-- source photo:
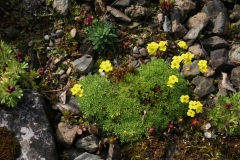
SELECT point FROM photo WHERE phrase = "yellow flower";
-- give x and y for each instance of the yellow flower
(195, 105)
(105, 66)
(184, 98)
(191, 113)
(125, 132)
(77, 90)
(175, 64)
(182, 45)
(203, 66)
(199, 107)
(187, 57)
(170, 84)
(162, 45)
(152, 48)
(173, 79)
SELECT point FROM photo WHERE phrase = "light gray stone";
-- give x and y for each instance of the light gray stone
(204, 85)
(31, 127)
(88, 143)
(61, 6)
(88, 156)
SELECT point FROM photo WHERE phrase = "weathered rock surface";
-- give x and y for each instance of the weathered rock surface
(197, 50)
(88, 143)
(214, 42)
(61, 6)
(66, 133)
(29, 122)
(235, 77)
(88, 156)
(204, 85)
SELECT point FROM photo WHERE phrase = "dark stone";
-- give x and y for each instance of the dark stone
(235, 77)
(11, 32)
(204, 85)
(214, 42)
(88, 143)
(220, 60)
(29, 122)
(33, 62)
(87, 48)
(122, 3)
(88, 156)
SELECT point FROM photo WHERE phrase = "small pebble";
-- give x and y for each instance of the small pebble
(140, 42)
(143, 51)
(61, 72)
(46, 37)
(207, 134)
(135, 50)
(59, 33)
(73, 32)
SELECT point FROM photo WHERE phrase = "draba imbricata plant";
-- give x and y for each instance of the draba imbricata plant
(13, 76)
(143, 100)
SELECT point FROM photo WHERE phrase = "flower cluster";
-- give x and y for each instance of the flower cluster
(186, 57)
(77, 90)
(202, 66)
(105, 66)
(154, 46)
(194, 107)
(182, 45)
(171, 80)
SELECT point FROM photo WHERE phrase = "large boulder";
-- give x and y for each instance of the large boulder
(29, 123)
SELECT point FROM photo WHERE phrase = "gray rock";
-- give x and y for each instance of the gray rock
(88, 143)
(235, 16)
(70, 106)
(193, 33)
(61, 6)
(175, 15)
(140, 42)
(11, 32)
(143, 51)
(65, 133)
(88, 156)
(167, 26)
(234, 54)
(121, 3)
(133, 63)
(220, 60)
(214, 42)
(199, 18)
(212, 9)
(185, 5)
(51, 44)
(135, 50)
(31, 127)
(73, 152)
(178, 29)
(118, 14)
(46, 37)
(73, 32)
(83, 64)
(59, 33)
(137, 13)
(191, 70)
(197, 50)
(204, 85)
(221, 24)
(235, 77)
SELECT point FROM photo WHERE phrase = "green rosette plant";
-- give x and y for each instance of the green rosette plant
(128, 109)
(103, 35)
(226, 114)
(13, 76)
